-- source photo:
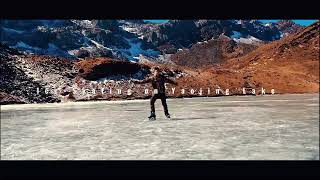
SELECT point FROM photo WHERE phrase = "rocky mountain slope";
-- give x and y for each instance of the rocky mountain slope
(214, 51)
(74, 38)
(185, 33)
(288, 65)
(129, 39)
(27, 78)
(16, 83)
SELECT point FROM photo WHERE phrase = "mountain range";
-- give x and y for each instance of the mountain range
(129, 39)
(65, 54)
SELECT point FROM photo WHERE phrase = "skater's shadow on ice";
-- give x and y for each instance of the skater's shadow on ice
(192, 118)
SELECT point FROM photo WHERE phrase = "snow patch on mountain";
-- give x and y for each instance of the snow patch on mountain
(83, 23)
(239, 37)
(283, 34)
(268, 24)
(26, 47)
(238, 21)
(9, 30)
(135, 50)
(236, 34)
(73, 52)
(248, 40)
(133, 30)
(129, 29)
(51, 50)
(98, 45)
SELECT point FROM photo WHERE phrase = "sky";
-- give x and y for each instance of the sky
(301, 22)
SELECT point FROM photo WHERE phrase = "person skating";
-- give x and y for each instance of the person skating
(158, 81)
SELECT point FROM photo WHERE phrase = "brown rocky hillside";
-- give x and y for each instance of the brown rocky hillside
(210, 52)
(290, 65)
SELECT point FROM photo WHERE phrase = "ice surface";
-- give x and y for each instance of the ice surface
(262, 127)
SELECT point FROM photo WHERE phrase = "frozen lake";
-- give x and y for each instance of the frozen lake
(277, 127)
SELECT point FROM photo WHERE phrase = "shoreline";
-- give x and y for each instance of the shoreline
(120, 101)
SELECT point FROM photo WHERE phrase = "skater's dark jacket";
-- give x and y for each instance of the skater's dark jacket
(158, 82)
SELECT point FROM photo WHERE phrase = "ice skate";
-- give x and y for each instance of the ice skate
(152, 117)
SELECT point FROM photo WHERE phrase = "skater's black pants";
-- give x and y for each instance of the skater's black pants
(161, 96)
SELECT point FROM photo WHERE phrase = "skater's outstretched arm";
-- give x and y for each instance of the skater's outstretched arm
(168, 80)
(142, 81)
